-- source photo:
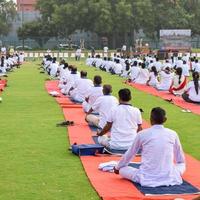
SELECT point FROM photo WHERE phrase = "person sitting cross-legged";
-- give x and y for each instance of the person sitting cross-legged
(163, 161)
(123, 122)
(80, 88)
(102, 105)
(94, 92)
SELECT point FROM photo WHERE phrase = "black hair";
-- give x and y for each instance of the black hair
(135, 63)
(154, 70)
(127, 66)
(179, 72)
(143, 66)
(184, 62)
(195, 77)
(158, 115)
(2, 61)
(124, 94)
(83, 74)
(65, 66)
(107, 89)
(97, 80)
(74, 70)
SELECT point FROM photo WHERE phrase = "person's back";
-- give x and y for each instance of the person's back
(135, 70)
(186, 69)
(157, 168)
(125, 119)
(192, 92)
(165, 80)
(82, 87)
(197, 67)
(103, 105)
(162, 157)
(143, 76)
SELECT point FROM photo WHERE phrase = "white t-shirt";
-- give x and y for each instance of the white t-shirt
(118, 68)
(21, 58)
(105, 49)
(185, 69)
(103, 105)
(134, 72)
(81, 88)
(165, 81)
(197, 67)
(143, 76)
(158, 65)
(192, 92)
(153, 79)
(94, 93)
(54, 69)
(125, 120)
(124, 48)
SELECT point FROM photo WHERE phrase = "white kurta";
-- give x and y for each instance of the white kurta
(143, 76)
(160, 148)
(165, 81)
(103, 105)
(192, 92)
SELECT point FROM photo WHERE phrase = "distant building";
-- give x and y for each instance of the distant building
(26, 5)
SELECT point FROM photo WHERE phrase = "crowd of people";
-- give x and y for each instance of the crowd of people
(171, 75)
(120, 124)
(10, 61)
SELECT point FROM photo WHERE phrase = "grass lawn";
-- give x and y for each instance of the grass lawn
(35, 162)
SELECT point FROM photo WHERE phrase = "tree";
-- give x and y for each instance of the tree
(38, 31)
(7, 14)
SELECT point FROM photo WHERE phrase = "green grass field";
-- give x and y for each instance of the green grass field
(35, 162)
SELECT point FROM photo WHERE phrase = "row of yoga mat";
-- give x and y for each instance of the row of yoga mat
(3, 84)
(108, 185)
(178, 101)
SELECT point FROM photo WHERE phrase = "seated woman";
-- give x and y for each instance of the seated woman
(178, 83)
(192, 93)
(153, 77)
(163, 161)
(143, 75)
(123, 121)
(165, 80)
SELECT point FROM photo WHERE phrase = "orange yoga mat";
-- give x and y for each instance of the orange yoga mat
(110, 186)
(3, 84)
(168, 96)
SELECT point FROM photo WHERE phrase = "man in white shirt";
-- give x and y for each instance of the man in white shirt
(123, 121)
(117, 68)
(102, 105)
(3, 50)
(105, 51)
(72, 78)
(78, 54)
(185, 69)
(158, 65)
(197, 66)
(81, 88)
(93, 93)
(135, 70)
(160, 149)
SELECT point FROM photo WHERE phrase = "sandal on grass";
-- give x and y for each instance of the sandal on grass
(65, 123)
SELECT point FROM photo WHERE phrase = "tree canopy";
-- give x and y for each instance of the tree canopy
(118, 18)
(7, 13)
